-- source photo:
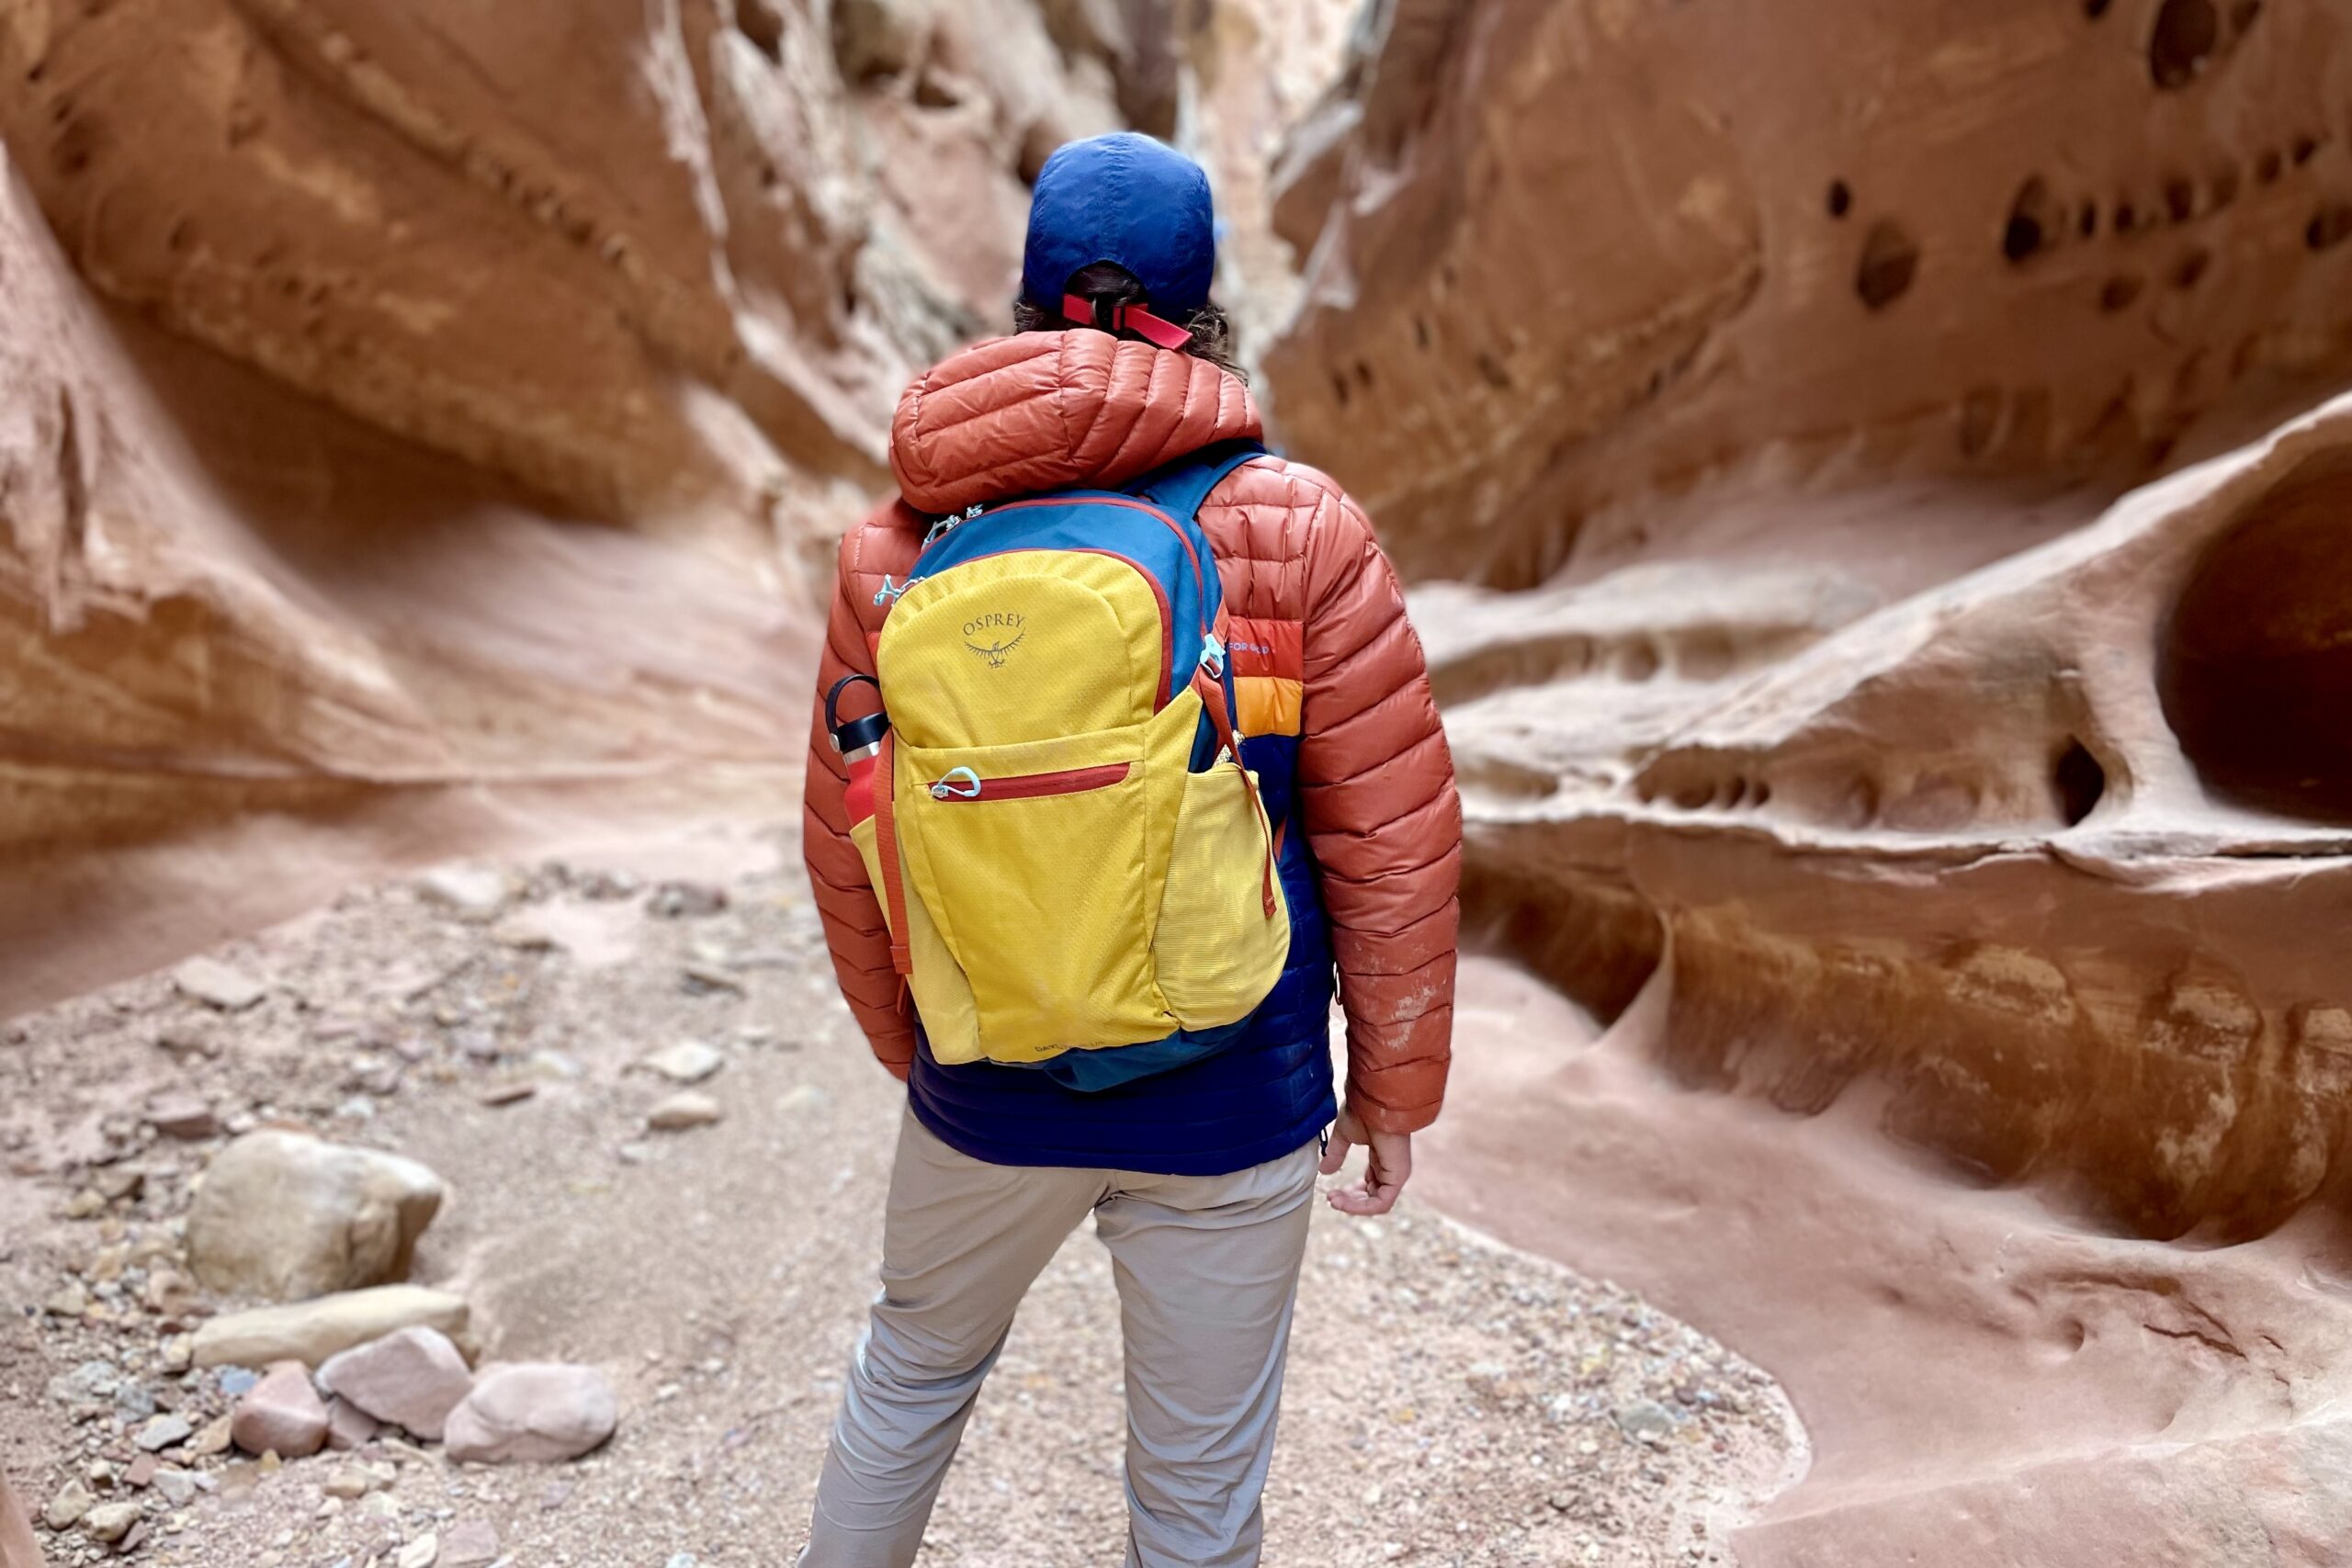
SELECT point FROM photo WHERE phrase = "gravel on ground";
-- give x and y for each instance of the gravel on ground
(1451, 1402)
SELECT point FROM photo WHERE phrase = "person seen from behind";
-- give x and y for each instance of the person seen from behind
(1124, 765)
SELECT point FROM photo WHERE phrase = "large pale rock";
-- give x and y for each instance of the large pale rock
(533, 1413)
(286, 1215)
(281, 1415)
(412, 1378)
(311, 1331)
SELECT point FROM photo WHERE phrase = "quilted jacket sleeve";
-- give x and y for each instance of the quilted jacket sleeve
(1383, 820)
(854, 929)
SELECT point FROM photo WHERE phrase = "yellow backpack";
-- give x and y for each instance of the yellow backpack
(1070, 853)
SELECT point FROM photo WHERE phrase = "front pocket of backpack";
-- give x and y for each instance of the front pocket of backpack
(1035, 863)
(1217, 950)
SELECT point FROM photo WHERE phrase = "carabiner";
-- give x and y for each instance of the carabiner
(945, 788)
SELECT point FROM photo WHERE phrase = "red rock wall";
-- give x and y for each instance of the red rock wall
(1568, 257)
(424, 412)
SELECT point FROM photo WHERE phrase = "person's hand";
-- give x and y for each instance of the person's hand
(1388, 1165)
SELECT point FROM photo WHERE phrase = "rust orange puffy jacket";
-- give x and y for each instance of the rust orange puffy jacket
(1045, 411)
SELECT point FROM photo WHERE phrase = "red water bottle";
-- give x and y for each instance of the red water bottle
(857, 741)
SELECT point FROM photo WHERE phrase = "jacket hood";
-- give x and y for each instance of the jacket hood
(1049, 411)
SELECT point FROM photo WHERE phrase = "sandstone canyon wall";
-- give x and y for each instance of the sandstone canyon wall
(421, 421)
(1759, 400)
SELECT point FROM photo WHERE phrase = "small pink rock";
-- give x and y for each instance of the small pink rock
(348, 1427)
(281, 1415)
(182, 1116)
(412, 1378)
(537, 1413)
(471, 1543)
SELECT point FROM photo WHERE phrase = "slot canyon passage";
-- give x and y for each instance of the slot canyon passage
(1877, 497)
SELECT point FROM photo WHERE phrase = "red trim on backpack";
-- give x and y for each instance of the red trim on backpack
(1032, 786)
(1200, 579)
(1212, 694)
(886, 848)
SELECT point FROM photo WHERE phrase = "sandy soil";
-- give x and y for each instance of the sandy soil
(1452, 1401)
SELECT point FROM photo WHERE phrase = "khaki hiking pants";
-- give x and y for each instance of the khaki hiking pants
(1207, 1268)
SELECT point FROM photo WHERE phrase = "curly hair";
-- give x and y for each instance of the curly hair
(1107, 284)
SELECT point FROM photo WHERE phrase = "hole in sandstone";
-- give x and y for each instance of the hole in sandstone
(1841, 199)
(2127, 217)
(1856, 806)
(1363, 374)
(2095, 9)
(759, 21)
(1761, 796)
(2035, 220)
(1339, 387)
(2242, 14)
(1890, 260)
(2254, 669)
(2191, 268)
(2265, 168)
(2304, 148)
(2180, 199)
(2078, 783)
(2225, 186)
(1705, 655)
(1695, 795)
(1422, 331)
(2186, 32)
(2118, 293)
(1637, 659)
(1597, 941)
(2329, 227)
(2086, 220)
(1492, 370)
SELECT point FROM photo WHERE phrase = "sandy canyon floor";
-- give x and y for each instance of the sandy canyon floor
(1452, 1401)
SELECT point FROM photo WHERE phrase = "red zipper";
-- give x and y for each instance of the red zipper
(1029, 787)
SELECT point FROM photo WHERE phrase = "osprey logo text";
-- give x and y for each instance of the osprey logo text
(1005, 628)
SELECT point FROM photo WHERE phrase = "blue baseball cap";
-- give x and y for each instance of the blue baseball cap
(1127, 198)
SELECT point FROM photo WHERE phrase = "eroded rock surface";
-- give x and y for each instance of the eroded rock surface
(418, 421)
(1568, 257)
(1836, 718)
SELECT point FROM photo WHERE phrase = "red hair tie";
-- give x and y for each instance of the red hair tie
(1127, 317)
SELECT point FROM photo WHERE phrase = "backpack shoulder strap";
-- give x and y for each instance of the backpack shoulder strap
(1180, 488)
